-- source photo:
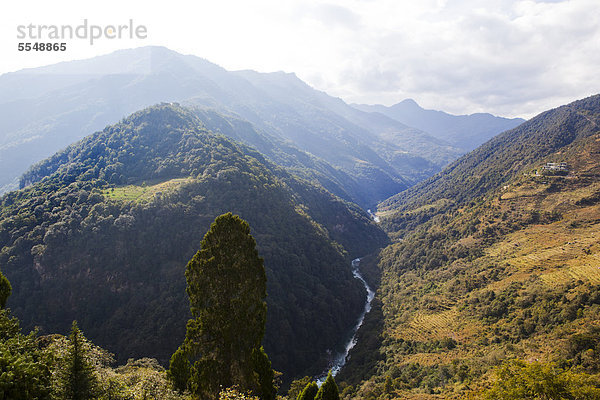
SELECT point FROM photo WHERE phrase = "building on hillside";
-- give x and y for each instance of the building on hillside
(553, 167)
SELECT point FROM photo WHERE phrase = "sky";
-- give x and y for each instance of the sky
(506, 57)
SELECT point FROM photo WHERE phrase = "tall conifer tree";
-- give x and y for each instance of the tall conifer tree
(79, 381)
(309, 392)
(226, 285)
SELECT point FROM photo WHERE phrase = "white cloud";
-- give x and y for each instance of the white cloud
(509, 57)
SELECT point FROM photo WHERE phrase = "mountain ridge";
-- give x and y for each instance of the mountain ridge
(562, 123)
(464, 131)
(379, 155)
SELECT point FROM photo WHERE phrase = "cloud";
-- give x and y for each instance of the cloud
(509, 57)
(332, 15)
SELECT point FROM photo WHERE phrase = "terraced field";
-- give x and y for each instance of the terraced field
(560, 251)
(585, 268)
(567, 250)
(428, 327)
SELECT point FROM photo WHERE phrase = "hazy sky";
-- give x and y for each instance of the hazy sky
(507, 57)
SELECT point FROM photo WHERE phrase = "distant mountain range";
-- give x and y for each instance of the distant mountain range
(361, 156)
(463, 131)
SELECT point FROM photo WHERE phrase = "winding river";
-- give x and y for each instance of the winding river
(340, 359)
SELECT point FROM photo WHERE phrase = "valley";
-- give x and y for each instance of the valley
(478, 236)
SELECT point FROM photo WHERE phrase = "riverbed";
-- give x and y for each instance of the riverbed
(339, 360)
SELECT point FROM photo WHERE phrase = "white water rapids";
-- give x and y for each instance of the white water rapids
(340, 359)
(375, 217)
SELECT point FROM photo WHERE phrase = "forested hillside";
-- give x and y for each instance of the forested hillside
(494, 259)
(104, 234)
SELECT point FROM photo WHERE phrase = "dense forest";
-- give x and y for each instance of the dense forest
(222, 356)
(104, 234)
(491, 283)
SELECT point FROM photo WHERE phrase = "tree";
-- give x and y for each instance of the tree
(388, 386)
(328, 390)
(226, 285)
(179, 370)
(265, 374)
(24, 373)
(309, 392)
(520, 380)
(5, 290)
(78, 381)
(297, 386)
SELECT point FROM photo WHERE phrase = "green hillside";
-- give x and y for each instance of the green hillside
(104, 236)
(495, 258)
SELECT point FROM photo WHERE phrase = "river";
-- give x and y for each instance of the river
(340, 359)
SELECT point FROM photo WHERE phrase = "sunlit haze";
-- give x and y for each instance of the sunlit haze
(510, 58)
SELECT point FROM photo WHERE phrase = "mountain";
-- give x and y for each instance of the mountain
(104, 229)
(376, 131)
(497, 257)
(45, 109)
(462, 131)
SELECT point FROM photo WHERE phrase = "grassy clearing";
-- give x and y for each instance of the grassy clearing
(144, 192)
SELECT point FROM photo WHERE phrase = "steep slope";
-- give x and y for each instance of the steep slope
(104, 235)
(283, 153)
(74, 98)
(496, 257)
(463, 131)
(503, 157)
(370, 131)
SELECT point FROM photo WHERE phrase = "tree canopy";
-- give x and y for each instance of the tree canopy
(517, 379)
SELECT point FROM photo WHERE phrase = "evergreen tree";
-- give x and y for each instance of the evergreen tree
(328, 390)
(79, 381)
(309, 392)
(179, 370)
(226, 285)
(297, 386)
(262, 367)
(5, 290)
